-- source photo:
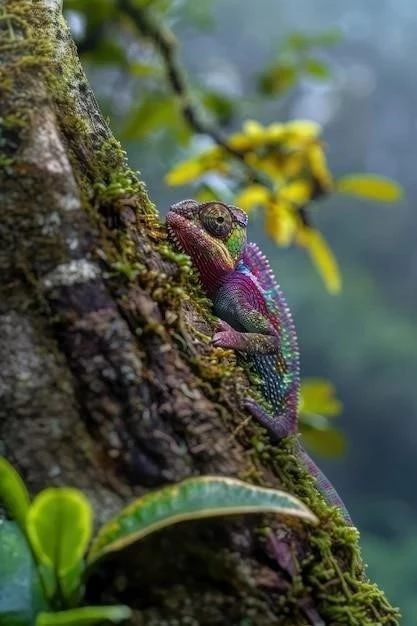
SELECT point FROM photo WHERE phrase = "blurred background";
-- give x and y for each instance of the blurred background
(361, 87)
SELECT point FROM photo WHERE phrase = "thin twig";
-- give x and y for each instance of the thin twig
(166, 44)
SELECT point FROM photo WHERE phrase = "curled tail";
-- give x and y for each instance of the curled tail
(323, 484)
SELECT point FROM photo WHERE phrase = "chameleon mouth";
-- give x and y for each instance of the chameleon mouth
(175, 223)
(183, 233)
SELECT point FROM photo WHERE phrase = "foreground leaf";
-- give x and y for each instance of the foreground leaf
(59, 526)
(13, 493)
(192, 499)
(370, 187)
(86, 616)
(20, 595)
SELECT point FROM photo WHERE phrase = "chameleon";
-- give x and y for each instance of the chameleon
(255, 319)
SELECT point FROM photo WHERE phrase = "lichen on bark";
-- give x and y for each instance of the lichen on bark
(109, 382)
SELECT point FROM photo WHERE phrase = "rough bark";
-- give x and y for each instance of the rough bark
(108, 380)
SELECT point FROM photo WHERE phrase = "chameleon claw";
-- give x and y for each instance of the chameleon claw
(224, 339)
(223, 326)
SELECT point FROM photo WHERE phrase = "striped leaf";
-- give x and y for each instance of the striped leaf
(192, 499)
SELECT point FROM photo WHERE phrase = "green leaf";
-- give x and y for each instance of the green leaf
(317, 68)
(222, 106)
(85, 616)
(20, 594)
(136, 68)
(297, 41)
(59, 526)
(96, 11)
(107, 52)
(328, 443)
(370, 187)
(13, 493)
(192, 499)
(277, 79)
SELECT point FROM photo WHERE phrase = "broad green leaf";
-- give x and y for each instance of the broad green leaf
(59, 526)
(85, 616)
(13, 493)
(318, 396)
(370, 187)
(192, 499)
(20, 594)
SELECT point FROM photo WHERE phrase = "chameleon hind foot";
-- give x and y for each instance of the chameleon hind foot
(278, 427)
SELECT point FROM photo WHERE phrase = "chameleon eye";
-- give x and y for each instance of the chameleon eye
(217, 220)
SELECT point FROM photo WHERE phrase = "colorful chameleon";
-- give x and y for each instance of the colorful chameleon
(255, 318)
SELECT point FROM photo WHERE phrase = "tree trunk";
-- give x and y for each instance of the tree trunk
(108, 380)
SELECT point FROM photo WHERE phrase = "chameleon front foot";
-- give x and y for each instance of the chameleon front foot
(278, 427)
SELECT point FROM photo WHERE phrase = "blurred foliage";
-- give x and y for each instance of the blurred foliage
(297, 58)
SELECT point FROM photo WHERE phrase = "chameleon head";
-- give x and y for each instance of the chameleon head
(213, 234)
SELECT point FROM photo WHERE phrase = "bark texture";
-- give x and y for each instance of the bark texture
(108, 381)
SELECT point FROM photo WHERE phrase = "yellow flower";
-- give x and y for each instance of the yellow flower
(303, 129)
(240, 142)
(255, 130)
(298, 192)
(252, 196)
(280, 222)
(184, 172)
(293, 163)
(213, 159)
(274, 132)
(318, 166)
(321, 256)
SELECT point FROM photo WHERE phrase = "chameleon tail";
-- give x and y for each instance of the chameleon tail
(323, 484)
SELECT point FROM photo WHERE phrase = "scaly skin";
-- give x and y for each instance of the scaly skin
(255, 318)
